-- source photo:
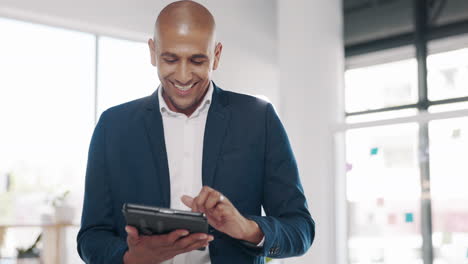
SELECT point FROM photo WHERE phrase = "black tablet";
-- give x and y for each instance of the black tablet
(150, 220)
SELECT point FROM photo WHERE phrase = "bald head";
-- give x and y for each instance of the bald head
(185, 17)
(185, 53)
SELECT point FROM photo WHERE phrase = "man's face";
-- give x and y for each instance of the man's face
(185, 61)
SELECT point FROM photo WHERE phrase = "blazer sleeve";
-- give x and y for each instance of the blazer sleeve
(288, 227)
(98, 242)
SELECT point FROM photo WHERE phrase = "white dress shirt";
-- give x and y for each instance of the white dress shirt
(184, 145)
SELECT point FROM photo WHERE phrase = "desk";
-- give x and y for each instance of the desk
(53, 236)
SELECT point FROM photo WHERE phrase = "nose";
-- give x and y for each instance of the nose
(183, 74)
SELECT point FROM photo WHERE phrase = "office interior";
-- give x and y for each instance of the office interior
(373, 95)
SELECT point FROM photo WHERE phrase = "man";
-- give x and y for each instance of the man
(160, 150)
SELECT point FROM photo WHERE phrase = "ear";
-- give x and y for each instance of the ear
(152, 50)
(218, 50)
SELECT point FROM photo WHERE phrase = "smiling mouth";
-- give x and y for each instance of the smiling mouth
(184, 88)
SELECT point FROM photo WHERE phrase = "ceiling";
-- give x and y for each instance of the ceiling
(366, 20)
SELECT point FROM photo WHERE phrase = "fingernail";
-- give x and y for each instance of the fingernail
(185, 233)
(210, 238)
(127, 229)
(202, 236)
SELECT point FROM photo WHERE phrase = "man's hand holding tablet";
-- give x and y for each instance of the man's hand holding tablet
(158, 248)
(157, 241)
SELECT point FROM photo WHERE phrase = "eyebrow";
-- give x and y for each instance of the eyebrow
(168, 54)
(195, 56)
(199, 56)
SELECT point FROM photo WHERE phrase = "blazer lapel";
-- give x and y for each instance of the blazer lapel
(215, 132)
(155, 131)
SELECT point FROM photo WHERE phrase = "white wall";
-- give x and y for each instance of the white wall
(246, 28)
(311, 63)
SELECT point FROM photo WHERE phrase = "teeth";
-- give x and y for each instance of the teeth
(183, 88)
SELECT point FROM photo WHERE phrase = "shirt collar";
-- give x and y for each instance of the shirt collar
(206, 102)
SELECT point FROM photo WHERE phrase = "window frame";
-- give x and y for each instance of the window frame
(397, 48)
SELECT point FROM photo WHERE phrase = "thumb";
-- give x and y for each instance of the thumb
(187, 200)
(132, 235)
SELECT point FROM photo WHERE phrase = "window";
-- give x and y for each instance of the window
(448, 74)
(380, 86)
(449, 181)
(48, 108)
(125, 72)
(380, 109)
(46, 116)
(409, 171)
(383, 194)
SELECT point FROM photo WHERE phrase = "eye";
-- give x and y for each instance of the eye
(170, 60)
(196, 62)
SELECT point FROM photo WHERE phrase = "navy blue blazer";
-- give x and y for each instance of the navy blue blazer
(246, 156)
